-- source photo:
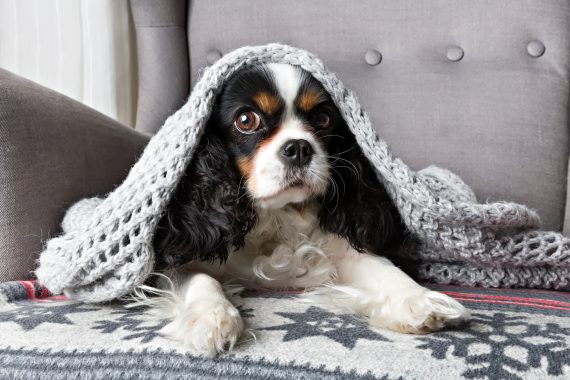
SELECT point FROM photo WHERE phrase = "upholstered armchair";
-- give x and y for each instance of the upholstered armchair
(479, 87)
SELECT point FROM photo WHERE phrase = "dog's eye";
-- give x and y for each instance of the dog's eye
(247, 121)
(322, 120)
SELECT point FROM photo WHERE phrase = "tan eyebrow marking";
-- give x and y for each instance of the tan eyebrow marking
(309, 99)
(266, 102)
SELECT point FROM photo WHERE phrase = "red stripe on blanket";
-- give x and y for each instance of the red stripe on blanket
(30, 290)
(502, 290)
(52, 299)
(512, 303)
(508, 298)
(44, 293)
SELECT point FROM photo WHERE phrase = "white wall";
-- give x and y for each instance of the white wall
(81, 48)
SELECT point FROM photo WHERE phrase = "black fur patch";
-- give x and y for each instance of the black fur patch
(358, 208)
(209, 213)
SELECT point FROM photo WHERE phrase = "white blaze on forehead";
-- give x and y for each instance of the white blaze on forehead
(288, 81)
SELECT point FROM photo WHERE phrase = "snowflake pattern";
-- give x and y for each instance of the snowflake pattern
(494, 346)
(31, 315)
(246, 312)
(341, 328)
(133, 320)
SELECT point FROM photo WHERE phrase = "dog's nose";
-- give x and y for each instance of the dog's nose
(296, 153)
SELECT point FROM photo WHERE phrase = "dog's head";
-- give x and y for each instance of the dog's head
(275, 139)
(278, 123)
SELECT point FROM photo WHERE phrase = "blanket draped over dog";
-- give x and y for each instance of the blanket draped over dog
(106, 249)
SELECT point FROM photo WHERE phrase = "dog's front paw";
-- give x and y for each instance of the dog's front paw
(207, 327)
(420, 312)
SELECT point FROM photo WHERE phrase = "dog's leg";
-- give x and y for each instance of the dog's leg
(376, 288)
(201, 315)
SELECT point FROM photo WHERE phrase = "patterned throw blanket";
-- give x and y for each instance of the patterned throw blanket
(106, 250)
(514, 334)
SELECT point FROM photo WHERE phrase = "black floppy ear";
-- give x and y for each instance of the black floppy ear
(209, 213)
(357, 206)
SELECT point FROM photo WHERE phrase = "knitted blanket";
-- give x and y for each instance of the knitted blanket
(106, 249)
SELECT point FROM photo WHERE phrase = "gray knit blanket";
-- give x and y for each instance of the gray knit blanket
(106, 248)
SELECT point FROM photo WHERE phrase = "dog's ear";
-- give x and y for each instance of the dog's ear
(210, 212)
(357, 206)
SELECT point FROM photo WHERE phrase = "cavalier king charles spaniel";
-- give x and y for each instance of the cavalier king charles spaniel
(280, 196)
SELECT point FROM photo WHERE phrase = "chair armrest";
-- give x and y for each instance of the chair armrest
(53, 152)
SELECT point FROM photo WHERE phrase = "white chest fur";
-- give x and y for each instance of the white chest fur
(286, 249)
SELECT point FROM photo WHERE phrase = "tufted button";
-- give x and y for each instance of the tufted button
(373, 57)
(212, 56)
(535, 49)
(454, 53)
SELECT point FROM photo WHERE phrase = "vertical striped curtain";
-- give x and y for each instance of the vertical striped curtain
(81, 48)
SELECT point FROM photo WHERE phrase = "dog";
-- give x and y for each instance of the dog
(280, 196)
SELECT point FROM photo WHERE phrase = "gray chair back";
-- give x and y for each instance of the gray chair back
(479, 87)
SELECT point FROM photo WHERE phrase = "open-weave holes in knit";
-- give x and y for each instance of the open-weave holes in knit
(109, 249)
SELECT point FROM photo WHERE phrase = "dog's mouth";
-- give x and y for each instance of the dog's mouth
(295, 186)
(294, 192)
(296, 183)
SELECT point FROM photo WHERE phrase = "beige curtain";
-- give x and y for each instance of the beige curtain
(81, 48)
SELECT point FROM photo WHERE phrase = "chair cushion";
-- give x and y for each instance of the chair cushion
(514, 334)
(444, 83)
